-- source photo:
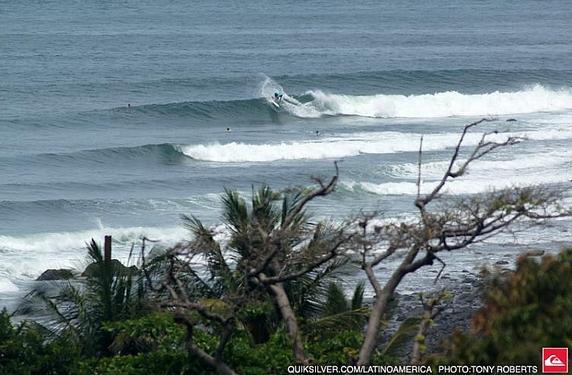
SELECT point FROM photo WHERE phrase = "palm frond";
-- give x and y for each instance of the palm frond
(235, 211)
(357, 298)
(263, 211)
(336, 302)
(308, 293)
(402, 336)
(346, 320)
(290, 202)
(205, 244)
(94, 252)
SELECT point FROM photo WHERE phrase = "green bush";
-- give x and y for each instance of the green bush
(155, 344)
(271, 357)
(339, 349)
(152, 344)
(524, 311)
(25, 349)
(157, 363)
(156, 331)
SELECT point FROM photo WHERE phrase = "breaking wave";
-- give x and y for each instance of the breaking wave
(26, 257)
(443, 104)
(318, 103)
(461, 186)
(347, 146)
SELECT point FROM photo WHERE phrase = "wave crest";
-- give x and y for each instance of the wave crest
(442, 104)
(356, 144)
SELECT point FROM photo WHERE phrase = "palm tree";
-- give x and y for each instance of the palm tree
(80, 307)
(274, 253)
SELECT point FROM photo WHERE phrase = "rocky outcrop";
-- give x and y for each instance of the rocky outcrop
(56, 274)
(465, 299)
(118, 267)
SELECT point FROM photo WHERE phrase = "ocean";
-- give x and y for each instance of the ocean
(116, 117)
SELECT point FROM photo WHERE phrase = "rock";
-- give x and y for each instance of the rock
(56, 274)
(118, 267)
(534, 253)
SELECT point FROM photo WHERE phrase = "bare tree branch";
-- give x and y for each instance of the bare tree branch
(453, 224)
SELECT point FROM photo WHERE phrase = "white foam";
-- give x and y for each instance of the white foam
(521, 163)
(442, 104)
(26, 257)
(462, 185)
(55, 242)
(347, 146)
(6, 286)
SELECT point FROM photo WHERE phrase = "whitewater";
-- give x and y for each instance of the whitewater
(442, 104)
(350, 145)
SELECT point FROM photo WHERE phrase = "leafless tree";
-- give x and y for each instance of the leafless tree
(445, 224)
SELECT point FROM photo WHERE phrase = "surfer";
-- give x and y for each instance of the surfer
(278, 97)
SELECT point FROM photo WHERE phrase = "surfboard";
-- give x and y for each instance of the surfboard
(274, 103)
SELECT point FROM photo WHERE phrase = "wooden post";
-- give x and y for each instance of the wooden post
(107, 249)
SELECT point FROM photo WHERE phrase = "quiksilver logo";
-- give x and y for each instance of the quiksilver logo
(553, 360)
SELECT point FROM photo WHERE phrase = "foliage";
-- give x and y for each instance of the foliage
(24, 349)
(156, 331)
(271, 357)
(308, 292)
(336, 302)
(156, 363)
(272, 230)
(275, 256)
(336, 312)
(259, 319)
(340, 348)
(80, 308)
(152, 344)
(523, 312)
(159, 349)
